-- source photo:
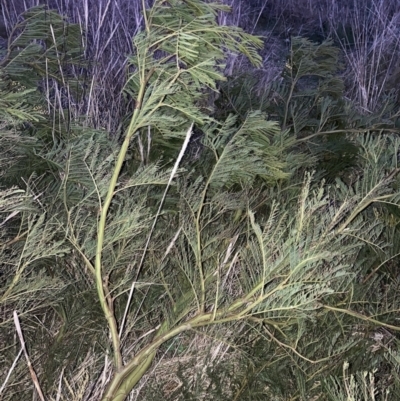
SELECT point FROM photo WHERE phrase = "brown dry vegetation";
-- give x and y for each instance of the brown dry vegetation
(367, 32)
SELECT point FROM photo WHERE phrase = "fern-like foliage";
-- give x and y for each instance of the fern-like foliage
(308, 101)
(177, 63)
(241, 248)
(36, 83)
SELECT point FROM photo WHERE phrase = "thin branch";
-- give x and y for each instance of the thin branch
(362, 317)
(31, 370)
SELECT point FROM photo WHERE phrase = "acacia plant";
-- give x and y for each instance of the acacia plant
(228, 243)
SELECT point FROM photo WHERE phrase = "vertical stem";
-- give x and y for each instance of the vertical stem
(146, 22)
(102, 290)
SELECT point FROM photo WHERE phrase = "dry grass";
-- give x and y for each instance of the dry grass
(108, 28)
(371, 50)
(367, 31)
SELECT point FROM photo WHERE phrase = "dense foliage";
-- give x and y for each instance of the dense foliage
(220, 240)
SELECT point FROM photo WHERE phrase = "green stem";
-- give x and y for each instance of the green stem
(362, 317)
(102, 288)
(128, 376)
(104, 296)
(120, 387)
(126, 379)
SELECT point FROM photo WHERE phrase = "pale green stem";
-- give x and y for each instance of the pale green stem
(102, 291)
(362, 317)
(103, 296)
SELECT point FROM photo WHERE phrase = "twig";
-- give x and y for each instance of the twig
(22, 341)
(10, 371)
